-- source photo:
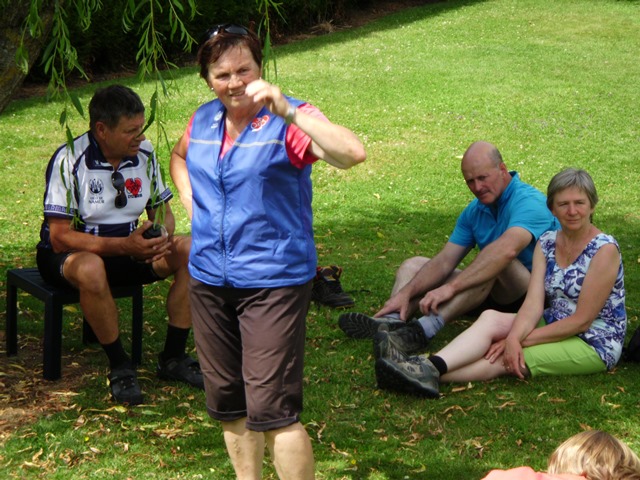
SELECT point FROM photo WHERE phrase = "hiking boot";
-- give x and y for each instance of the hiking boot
(327, 289)
(409, 338)
(359, 325)
(383, 347)
(181, 369)
(124, 386)
(415, 375)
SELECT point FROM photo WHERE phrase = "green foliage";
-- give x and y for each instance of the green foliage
(106, 47)
(60, 56)
(552, 84)
(264, 31)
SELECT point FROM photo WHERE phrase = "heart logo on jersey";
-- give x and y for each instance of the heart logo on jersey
(259, 122)
(134, 185)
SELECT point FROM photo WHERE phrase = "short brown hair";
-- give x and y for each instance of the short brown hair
(218, 40)
(572, 177)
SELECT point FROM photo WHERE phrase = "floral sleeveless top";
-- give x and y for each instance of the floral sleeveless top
(562, 287)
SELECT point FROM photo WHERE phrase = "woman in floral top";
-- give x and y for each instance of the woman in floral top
(577, 275)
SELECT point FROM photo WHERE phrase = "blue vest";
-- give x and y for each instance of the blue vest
(252, 220)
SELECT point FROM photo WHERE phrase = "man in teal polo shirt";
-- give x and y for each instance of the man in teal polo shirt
(504, 221)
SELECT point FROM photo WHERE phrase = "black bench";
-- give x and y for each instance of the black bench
(29, 280)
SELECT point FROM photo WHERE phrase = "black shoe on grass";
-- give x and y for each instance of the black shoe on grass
(181, 369)
(123, 382)
(327, 289)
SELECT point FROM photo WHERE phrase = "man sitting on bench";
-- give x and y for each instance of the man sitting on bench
(96, 190)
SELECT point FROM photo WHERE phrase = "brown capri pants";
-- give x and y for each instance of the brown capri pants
(250, 344)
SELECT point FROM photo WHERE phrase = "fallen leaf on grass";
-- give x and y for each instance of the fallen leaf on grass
(603, 401)
(80, 421)
(149, 412)
(341, 452)
(476, 446)
(414, 440)
(320, 428)
(462, 389)
(36, 456)
(64, 394)
(171, 433)
(115, 408)
(454, 407)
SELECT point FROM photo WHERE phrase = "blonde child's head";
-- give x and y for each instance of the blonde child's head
(595, 455)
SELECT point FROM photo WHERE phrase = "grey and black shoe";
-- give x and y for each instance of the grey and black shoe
(396, 371)
(359, 325)
(409, 338)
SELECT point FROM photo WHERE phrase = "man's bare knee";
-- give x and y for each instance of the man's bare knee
(85, 271)
(177, 260)
(412, 265)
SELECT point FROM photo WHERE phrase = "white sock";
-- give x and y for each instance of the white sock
(392, 316)
(431, 324)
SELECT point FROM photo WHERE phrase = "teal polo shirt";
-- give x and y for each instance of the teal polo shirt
(520, 205)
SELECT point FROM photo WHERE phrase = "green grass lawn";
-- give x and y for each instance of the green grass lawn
(551, 83)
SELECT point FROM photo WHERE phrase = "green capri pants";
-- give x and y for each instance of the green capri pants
(571, 356)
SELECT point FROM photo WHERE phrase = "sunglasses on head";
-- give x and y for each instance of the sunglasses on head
(117, 180)
(229, 28)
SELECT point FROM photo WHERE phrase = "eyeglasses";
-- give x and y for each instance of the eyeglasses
(225, 28)
(117, 180)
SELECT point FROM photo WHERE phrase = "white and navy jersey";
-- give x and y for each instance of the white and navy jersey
(79, 185)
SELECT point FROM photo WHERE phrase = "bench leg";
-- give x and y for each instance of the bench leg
(52, 349)
(12, 320)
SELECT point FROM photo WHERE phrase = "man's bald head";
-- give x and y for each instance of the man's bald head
(484, 172)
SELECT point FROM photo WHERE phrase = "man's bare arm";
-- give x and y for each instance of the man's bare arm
(489, 263)
(65, 239)
(432, 274)
(437, 270)
(493, 259)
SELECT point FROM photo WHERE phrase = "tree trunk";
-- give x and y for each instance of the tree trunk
(13, 15)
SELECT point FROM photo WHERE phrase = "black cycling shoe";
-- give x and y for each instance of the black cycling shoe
(181, 369)
(123, 382)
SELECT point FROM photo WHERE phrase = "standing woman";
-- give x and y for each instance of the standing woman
(243, 170)
(577, 274)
